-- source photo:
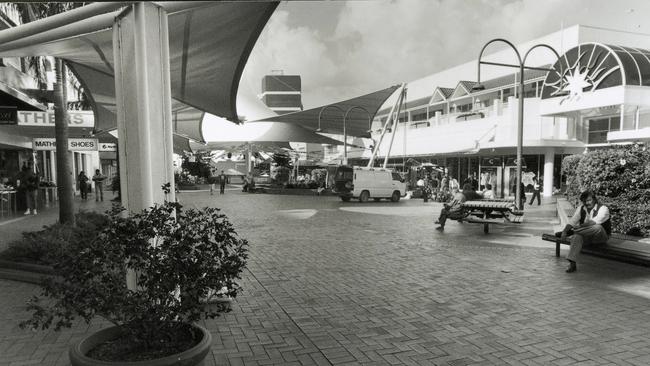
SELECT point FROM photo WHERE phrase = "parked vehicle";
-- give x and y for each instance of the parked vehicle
(365, 183)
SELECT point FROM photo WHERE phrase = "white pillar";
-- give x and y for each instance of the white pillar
(52, 165)
(549, 158)
(143, 97)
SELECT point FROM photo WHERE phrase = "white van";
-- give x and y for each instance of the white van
(365, 183)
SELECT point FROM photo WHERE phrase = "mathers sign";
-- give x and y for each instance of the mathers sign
(38, 118)
(73, 144)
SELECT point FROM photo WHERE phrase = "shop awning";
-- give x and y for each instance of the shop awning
(358, 122)
(209, 45)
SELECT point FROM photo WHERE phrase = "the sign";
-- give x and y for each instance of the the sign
(74, 144)
(8, 115)
(491, 162)
(38, 118)
(107, 146)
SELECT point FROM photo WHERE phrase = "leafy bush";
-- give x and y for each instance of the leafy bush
(179, 258)
(569, 169)
(44, 247)
(620, 177)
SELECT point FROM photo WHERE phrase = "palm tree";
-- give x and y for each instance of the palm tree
(30, 12)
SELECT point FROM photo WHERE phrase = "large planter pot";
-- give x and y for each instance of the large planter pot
(192, 357)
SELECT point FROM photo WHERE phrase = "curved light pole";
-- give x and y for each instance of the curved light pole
(345, 137)
(520, 121)
(343, 114)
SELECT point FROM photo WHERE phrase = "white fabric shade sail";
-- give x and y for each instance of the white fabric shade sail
(209, 45)
(261, 135)
(361, 109)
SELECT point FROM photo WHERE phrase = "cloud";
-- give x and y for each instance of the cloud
(375, 44)
(295, 50)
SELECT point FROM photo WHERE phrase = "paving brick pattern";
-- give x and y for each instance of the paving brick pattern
(373, 284)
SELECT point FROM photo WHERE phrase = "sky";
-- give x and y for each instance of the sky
(343, 49)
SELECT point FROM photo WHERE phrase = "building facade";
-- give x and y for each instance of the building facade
(27, 117)
(597, 94)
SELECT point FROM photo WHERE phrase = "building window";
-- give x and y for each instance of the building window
(599, 127)
(419, 115)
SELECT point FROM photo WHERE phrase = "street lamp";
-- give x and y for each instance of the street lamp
(345, 137)
(520, 122)
(345, 157)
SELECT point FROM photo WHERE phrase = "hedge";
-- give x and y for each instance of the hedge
(620, 177)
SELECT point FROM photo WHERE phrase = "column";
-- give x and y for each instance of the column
(143, 97)
(549, 157)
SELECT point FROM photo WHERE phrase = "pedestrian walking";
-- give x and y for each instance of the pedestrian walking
(222, 182)
(99, 178)
(536, 190)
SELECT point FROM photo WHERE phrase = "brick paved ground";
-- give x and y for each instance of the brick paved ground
(372, 284)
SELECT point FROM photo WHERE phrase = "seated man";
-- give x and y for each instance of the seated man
(590, 224)
(488, 194)
(470, 193)
(452, 210)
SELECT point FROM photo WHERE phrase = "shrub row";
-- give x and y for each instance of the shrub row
(44, 246)
(620, 177)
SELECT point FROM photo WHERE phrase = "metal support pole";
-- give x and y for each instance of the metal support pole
(384, 128)
(395, 125)
(520, 137)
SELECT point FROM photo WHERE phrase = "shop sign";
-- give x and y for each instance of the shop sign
(38, 118)
(74, 144)
(8, 115)
(513, 162)
(107, 146)
(491, 162)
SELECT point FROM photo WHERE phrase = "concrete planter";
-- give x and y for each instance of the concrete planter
(192, 357)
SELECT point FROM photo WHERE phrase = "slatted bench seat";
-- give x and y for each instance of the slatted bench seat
(628, 251)
(492, 211)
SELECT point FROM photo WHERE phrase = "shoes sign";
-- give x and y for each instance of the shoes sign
(74, 144)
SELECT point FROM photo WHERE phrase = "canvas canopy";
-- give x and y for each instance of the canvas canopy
(209, 45)
(361, 109)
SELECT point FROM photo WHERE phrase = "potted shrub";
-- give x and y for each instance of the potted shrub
(179, 257)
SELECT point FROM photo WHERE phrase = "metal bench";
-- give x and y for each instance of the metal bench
(493, 211)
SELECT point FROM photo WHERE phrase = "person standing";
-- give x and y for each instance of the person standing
(31, 187)
(99, 178)
(444, 184)
(222, 182)
(82, 181)
(536, 190)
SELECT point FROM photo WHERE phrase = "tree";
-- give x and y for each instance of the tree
(30, 12)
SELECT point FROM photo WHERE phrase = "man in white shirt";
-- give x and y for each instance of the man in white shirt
(590, 224)
(488, 194)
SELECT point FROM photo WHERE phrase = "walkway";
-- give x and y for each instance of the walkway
(333, 283)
